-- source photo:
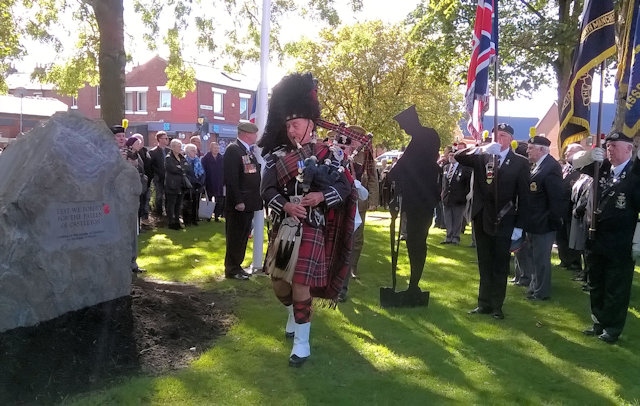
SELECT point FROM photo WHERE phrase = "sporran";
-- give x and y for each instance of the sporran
(282, 254)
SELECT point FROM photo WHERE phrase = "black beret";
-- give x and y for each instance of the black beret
(116, 129)
(505, 127)
(617, 136)
(539, 140)
(130, 141)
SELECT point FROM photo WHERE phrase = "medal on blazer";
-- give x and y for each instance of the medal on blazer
(533, 186)
(489, 171)
(621, 201)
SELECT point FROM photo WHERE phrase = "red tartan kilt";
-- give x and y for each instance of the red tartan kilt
(311, 268)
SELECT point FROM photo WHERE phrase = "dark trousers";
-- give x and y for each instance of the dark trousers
(158, 185)
(540, 245)
(174, 206)
(237, 228)
(219, 209)
(453, 220)
(568, 256)
(610, 277)
(190, 206)
(418, 223)
(493, 263)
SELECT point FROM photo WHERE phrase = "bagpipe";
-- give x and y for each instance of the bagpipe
(364, 140)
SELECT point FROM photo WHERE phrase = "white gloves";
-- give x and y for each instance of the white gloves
(516, 234)
(584, 158)
(493, 148)
(598, 154)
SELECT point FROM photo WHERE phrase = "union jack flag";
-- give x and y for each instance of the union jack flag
(485, 50)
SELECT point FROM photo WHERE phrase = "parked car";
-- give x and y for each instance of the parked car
(388, 155)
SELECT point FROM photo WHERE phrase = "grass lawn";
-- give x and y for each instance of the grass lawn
(363, 354)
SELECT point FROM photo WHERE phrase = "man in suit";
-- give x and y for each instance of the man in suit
(500, 199)
(456, 183)
(158, 154)
(546, 206)
(609, 258)
(242, 182)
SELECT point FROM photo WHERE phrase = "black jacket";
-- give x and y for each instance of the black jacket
(509, 184)
(174, 179)
(241, 178)
(456, 189)
(547, 202)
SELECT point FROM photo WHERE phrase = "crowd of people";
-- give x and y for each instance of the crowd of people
(519, 201)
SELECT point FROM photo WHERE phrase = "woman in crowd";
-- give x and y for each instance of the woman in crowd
(195, 174)
(174, 182)
(212, 163)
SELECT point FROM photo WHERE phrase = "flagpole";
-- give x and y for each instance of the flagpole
(261, 121)
(596, 164)
(495, 98)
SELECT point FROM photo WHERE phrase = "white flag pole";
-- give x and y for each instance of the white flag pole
(261, 121)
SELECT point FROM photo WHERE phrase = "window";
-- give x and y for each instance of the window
(128, 101)
(165, 99)
(74, 102)
(142, 101)
(218, 101)
(97, 96)
(245, 114)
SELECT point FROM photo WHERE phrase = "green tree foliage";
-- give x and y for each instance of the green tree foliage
(99, 54)
(9, 40)
(536, 41)
(365, 79)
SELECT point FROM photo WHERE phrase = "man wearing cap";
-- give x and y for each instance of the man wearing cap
(609, 258)
(546, 206)
(456, 184)
(242, 182)
(500, 204)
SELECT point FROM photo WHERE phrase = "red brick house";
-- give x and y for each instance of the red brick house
(220, 99)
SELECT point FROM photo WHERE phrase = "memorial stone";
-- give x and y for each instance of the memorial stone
(68, 212)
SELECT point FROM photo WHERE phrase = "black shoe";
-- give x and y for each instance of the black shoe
(479, 310)
(592, 331)
(498, 315)
(445, 242)
(238, 276)
(289, 335)
(296, 362)
(138, 270)
(537, 298)
(608, 338)
(342, 297)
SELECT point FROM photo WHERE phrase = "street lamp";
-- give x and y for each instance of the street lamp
(20, 91)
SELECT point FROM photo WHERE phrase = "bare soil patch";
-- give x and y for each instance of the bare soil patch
(159, 328)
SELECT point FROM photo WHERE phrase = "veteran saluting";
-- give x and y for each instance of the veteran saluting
(500, 197)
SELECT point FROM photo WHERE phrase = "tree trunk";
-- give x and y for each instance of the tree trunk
(112, 58)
